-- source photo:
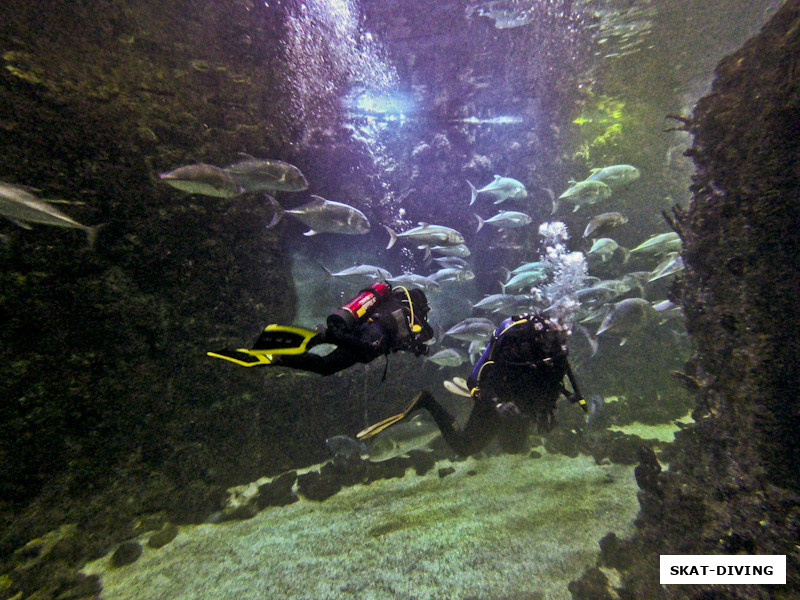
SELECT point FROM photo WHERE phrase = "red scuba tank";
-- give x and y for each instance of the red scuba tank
(358, 308)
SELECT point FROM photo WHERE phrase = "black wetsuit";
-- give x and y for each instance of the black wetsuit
(515, 383)
(386, 330)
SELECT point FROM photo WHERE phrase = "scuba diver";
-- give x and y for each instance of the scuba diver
(379, 320)
(515, 383)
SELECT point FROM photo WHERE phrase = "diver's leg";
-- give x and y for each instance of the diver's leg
(477, 433)
(328, 364)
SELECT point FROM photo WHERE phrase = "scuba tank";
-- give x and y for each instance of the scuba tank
(355, 311)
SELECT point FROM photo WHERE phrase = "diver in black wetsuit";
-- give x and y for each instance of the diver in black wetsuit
(378, 321)
(515, 383)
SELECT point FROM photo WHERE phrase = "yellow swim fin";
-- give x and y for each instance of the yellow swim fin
(286, 339)
(242, 357)
(375, 429)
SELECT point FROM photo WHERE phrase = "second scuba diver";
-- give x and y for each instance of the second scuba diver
(514, 384)
(378, 321)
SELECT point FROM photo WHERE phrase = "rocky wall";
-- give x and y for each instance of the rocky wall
(110, 407)
(732, 483)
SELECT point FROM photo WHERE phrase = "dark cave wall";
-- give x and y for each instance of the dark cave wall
(104, 379)
(733, 480)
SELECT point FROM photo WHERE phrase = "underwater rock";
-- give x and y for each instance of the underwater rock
(647, 472)
(614, 553)
(126, 554)
(278, 492)
(318, 485)
(445, 471)
(592, 585)
(161, 538)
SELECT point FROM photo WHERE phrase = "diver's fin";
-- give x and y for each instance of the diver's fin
(386, 423)
(243, 358)
(285, 339)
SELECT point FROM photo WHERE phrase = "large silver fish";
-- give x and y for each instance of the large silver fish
(258, 174)
(615, 176)
(501, 188)
(412, 279)
(413, 434)
(600, 225)
(21, 207)
(203, 179)
(627, 317)
(583, 192)
(361, 271)
(472, 329)
(660, 244)
(506, 219)
(427, 235)
(324, 216)
(449, 357)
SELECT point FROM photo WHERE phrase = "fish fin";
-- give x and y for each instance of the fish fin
(473, 191)
(328, 272)
(593, 171)
(279, 211)
(622, 343)
(424, 224)
(318, 200)
(392, 236)
(500, 200)
(427, 256)
(481, 223)
(626, 254)
(20, 223)
(555, 206)
(577, 206)
(572, 182)
(310, 232)
(496, 177)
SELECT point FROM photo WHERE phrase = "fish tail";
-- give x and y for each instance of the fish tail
(473, 193)
(279, 211)
(481, 223)
(392, 237)
(328, 273)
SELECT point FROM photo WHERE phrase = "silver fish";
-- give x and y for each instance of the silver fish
(604, 248)
(448, 357)
(472, 329)
(583, 192)
(501, 188)
(344, 446)
(413, 434)
(21, 207)
(660, 244)
(368, 271)
(452, 274)
(459, 250)
(531, 266)
(524, 279)
(412, 279)
(503, 302)
(451, 262)
(504, 220)
(325, 216)
(671, 264)
(427, 235)
(615, 176)
(603, 223)
(258, 174)
(203, 179)
(627, 317)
